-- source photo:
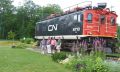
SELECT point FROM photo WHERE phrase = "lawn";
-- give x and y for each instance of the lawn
(7, 42)
(22, 60)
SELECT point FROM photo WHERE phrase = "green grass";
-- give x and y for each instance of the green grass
(22, 60)
(7, 42)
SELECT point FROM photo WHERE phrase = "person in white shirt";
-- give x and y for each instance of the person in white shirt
(58, 47)
(48, 45)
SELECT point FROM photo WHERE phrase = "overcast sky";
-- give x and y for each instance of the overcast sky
(115, 4)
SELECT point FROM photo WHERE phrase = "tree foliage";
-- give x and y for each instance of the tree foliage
(11, 35)
(6, 15)
(22, 19)
(118, 33)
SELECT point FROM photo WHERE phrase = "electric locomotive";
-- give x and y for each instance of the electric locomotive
(79, 24)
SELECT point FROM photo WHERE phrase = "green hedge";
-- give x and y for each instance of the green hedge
(88, 63)
(58, 56)
(27, 40)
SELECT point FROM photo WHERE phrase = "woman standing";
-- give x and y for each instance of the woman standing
(53, 44)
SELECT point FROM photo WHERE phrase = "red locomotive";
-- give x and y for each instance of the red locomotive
(81, 25)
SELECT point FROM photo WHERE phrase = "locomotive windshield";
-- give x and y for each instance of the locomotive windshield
(102, 19)
(112, 21)
(89, 18)
(80, 17)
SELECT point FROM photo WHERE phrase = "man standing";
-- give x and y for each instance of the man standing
(43, 46)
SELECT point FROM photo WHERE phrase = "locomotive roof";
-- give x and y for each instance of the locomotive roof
(101, 6)
(59, 16)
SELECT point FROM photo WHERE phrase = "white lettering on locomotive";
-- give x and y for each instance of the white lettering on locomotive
(52, 27)
(76, 29)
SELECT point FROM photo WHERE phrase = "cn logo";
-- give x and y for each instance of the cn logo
(52, 27)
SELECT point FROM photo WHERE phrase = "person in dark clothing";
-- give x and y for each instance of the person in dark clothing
(43, 46)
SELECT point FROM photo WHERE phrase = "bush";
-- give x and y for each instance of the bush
(26, 40)
(118, 44)
(58, 56)
(22, 40)
(88, 63)
(97, 54)
(21, 45)
(75, 64)
(29, 40)
(100, 66)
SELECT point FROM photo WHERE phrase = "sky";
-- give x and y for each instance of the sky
(112, 4)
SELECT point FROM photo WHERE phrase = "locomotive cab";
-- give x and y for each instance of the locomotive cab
(99, 22)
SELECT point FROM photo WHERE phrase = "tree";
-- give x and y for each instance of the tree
(11, 35)
(6, 17)
(118, 33)
(29, 14)
(22, 20)
(6, 12)
(51, 9)
(26, 18)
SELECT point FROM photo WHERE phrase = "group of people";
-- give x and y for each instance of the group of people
(50, 45)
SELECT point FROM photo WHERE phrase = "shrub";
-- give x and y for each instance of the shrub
(97, 54)
(88, 63)
(21, 45)
(118, 44)
(95, 63)
(26, 40)
(58, 56)
(75, 64)
(29, 40)
(22, 40)
(100, 66)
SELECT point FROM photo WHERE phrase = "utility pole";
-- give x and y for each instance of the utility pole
(111, 8)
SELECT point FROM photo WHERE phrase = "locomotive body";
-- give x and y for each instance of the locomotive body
(88, 22)
(66, 26)
(79, 26)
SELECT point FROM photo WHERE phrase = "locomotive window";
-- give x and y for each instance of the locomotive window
(37, 27)
(75, 17)
(89, 18)
(112, 21)
(80, 17)
(102, 19)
